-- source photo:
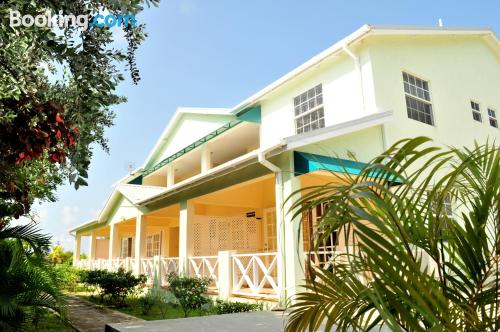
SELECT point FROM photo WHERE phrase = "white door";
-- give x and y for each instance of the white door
(270, 240)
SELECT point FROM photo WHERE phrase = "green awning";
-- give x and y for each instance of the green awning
(307, 162)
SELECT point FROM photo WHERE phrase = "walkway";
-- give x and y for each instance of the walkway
(87, 317)
(259, 321)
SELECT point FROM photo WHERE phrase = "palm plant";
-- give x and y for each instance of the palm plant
(28, 282)
(411, 265)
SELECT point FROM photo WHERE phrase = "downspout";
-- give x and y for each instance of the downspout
(357, 66)
(279, 203)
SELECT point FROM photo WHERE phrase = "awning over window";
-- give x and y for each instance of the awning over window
(308, 162)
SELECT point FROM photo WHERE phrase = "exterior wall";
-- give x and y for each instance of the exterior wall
(459, 69)
(342, 97)
(191, 128)
(102, 248)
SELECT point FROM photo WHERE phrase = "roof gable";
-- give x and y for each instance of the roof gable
(186, 126)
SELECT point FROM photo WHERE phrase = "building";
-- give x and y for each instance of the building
(211, 198)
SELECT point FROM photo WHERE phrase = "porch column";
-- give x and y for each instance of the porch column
(290, 243)
(76, 253)
(113, 241)
(140, 241)
(170, 174)
(206, 158)
(185, 240)
(92, 246)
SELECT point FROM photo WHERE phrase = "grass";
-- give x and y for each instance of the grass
(133, 307)
(49, 322)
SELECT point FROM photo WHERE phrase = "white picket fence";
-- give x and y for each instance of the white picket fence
(168, 265)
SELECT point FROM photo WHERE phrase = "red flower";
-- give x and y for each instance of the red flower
(58, 134)
(59, 119)
(75, 130)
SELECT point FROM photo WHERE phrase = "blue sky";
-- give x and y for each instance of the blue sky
(215, 53)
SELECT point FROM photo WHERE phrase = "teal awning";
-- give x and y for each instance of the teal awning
(307, 162)
(251, 114)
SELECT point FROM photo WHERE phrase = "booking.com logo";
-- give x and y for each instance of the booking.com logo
(47, 19)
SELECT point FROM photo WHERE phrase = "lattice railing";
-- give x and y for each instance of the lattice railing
(167, 266)
(327, 259)
(205, 267)
(147, 268)
(255, 274)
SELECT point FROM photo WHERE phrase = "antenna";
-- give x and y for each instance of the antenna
(440, 23)
(130, 167)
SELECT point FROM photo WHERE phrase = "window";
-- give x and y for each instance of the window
(126, 247)
(476, 111)
(418, 99)
(309, 112)
(448, 206)
(493, 118)
(153, 247)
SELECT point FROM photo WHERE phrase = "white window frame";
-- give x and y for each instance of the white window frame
(476, 111)
(153, 244)
(492, 117)
(418, 94)
(124, 249)
(313, 102)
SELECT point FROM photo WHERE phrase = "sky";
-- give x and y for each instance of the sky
(216, 53)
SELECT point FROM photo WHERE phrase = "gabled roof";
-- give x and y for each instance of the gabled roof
(137, 193)
(173, 123)
(357, 36)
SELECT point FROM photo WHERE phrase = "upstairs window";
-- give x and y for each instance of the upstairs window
(418, 99)
(309, 112)
(476, 111)
(493, 118)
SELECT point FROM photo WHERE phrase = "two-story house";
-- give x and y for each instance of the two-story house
(211, 198)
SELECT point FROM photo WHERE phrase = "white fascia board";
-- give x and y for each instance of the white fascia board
(84, 225)
(312, 137)
(356, 36)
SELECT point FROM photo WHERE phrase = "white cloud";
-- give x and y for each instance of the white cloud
(69, 215)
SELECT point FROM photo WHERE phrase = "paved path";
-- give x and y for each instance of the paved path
(87, 317)
(259, 321)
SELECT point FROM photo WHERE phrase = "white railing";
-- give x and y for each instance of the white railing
(255, 274)
(116, 264)
(167, 266)
(147, 268)
(205, 267)
(327, 259)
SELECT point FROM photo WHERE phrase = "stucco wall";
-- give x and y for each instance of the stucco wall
(459, 69)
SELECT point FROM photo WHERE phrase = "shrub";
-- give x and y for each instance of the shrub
(68, 276)
(190, 292)
(116, 285)
(227, 307)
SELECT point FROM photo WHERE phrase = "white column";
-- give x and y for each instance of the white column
(170, 175)
(76, 253)
(225, 269)
(206, 158)
(140, 241)
(290, 244)
(92, 246)
(185, 241)
(114, 242)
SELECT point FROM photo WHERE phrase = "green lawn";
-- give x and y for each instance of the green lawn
(49, 322)
(134, 308)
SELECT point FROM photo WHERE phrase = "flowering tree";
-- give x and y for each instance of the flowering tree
(56, 90)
